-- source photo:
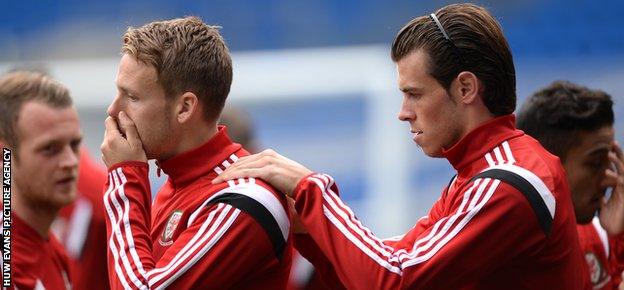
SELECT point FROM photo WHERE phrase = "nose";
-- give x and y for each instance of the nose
(69, 158)
(406, 113)
(113, 108)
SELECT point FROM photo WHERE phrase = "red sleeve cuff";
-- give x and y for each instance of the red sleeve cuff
(128, 164)
(301, 184)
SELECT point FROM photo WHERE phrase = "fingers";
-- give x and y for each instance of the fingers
(250, 168)
(104, 158)
(610, 179)
(111, 128)
(266, 155)
(244, 160)
(115, 148)
(255, 161)
(240, 173)
(614, 177)
(128, 126)
(110, 133)
(618, 150)
(616, 158)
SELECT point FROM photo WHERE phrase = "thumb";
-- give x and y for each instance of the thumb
(129, 128)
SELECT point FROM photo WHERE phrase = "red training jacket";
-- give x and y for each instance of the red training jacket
(186, 240)
(480, 234)
(603, 254)
(37, 262)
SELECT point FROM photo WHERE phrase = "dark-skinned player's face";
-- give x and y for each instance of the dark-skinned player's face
(585, 166)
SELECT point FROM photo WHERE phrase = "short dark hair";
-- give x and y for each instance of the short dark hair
(556, 114)
(188, 55)
(20, 87)
(476, 44)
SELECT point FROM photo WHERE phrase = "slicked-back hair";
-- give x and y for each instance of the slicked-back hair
(556, 114)
(188, 55)
(20, 87)
(476, 43)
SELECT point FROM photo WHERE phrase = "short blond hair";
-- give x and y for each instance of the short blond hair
(188, 55)
(20, 87)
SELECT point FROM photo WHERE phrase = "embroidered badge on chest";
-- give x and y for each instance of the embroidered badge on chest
(166, 238)
(597, 272)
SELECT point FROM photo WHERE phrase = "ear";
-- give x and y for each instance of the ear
(187, 105)
(4, 144)
(468, 87)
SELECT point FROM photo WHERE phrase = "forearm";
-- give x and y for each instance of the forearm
(360, 260)
(423, 258)
(128, 205)
(311, 252)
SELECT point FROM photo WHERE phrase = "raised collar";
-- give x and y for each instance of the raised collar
(21, 227)
(481, 140)
(188, 166)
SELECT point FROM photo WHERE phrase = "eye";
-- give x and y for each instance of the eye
(75, 145)
(50, 149)
(598, 163)
(414, 96)
(133, 98)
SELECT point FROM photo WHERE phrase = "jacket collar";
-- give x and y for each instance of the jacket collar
(481, 140)
(188, 166)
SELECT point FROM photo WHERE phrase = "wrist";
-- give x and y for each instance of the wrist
(132, 163)
(300, 184)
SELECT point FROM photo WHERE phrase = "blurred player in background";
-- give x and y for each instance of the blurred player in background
(576, 124)
(40, 125)
(240, 127)
(505, 222)
(173, 81)
(81, 227)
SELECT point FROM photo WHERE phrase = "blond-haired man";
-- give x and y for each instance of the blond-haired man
(39, 124)
(173, 80)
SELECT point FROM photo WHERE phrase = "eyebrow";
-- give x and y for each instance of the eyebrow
(53, 141)
(602, 149)
(409, 89)
(126, 90)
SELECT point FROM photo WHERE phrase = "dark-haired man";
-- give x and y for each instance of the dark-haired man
(505, 222)
(576, 124)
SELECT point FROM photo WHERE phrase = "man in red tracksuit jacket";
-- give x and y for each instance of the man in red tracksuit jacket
(575, 123)
(604, 254)
(505, 221)
(173, 80)
(42, 130)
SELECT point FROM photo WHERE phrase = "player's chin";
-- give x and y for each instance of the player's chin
(585, 217)
(432, 151)
(151, 155)
(61, 199)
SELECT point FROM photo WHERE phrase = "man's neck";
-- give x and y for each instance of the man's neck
(475, 118)
(191, 138)
(39, 217)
